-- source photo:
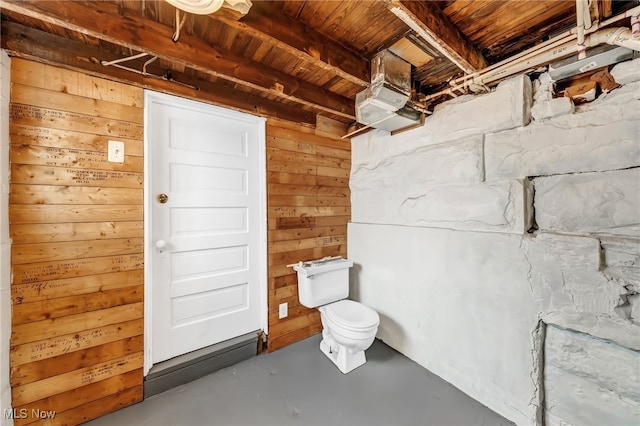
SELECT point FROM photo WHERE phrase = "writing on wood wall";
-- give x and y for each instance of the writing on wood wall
(308, 210)
(76, 221)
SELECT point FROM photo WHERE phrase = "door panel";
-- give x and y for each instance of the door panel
(206, 240)
(207, 221)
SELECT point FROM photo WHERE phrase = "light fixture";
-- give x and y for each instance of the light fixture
(197, 7)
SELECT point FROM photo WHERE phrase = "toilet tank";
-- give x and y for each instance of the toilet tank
(323, 281)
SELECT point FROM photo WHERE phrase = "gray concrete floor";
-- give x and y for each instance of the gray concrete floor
(298, 385)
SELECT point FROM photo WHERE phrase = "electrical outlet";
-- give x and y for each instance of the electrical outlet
(283, 310)
(116, 152)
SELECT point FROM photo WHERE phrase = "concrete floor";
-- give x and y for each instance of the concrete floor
(298, 385)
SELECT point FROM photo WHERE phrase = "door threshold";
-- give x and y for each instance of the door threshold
(194, 365)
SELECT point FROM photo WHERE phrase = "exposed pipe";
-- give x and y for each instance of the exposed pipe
(619, 36)
(635, 26)
(553, 49)
(128, 58)
(146, 64)
(179, 24)
(582, 17)
(524, 55)
(549, 51)
(525, 64)
(368, 126)
(634, 11)
(549, 44)
(117, 63)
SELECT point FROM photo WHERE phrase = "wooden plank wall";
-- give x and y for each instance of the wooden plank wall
(308, 210)
(77, 227)
(76, 222)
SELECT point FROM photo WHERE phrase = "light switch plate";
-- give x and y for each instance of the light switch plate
(116, 152)
(283, 310)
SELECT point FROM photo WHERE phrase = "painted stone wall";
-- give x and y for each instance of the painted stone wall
(500, 244)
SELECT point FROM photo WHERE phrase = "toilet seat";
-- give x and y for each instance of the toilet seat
(352, 315)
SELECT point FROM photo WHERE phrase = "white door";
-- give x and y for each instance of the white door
(207, 249)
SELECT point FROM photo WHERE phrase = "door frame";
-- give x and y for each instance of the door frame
(150, 97)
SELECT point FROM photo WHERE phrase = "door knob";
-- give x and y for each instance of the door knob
(162, 198)
(161, 245)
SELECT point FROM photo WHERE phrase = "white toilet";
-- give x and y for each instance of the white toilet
(348, 327)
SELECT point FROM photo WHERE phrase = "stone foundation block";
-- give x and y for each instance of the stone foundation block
(588, 381)
(543, 88)
(626, 72)
(551, 108)
(572, 292)
(571, 144)
(496, 207)
(634, 302)
(621, 258)
(459, 161)
(567, 252)
(598, 203)
(460, 118)
(510, 106)
(567, 276)
(619, 104)
(607, 327)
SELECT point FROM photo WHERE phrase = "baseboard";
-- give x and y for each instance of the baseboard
(194, 365)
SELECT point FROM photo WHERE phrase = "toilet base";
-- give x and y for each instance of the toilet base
(345, 360)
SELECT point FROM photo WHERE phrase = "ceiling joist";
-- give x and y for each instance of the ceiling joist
(105, 21)
(30, 43)
(428, 21)
(268, 24)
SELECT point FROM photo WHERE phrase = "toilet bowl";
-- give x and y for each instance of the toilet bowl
(348, 327)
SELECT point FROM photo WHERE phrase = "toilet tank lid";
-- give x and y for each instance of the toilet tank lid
(318, 266)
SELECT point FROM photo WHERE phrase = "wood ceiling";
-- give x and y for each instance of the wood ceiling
(290, 59)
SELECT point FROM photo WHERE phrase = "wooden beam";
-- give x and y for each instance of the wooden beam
(106, 21)
(271, 25)
(426, 19)
(605, 8)
(594, 11)
(30, 43)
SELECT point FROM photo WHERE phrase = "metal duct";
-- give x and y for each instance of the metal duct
(597, 57)
(382, 104)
